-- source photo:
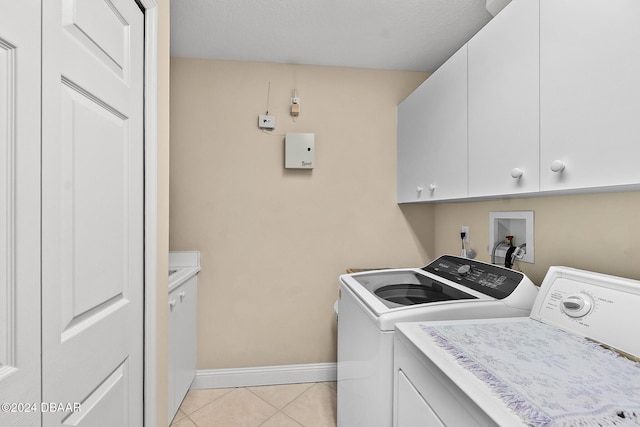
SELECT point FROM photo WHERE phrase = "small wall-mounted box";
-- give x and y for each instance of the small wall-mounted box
(299, 150)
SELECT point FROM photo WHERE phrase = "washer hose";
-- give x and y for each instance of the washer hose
(508, 257)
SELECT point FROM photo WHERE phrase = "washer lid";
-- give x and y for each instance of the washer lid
(400, 288)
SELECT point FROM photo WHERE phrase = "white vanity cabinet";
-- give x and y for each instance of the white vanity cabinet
(432, 136)
(503, 103)
(182, 341)
(589, 93)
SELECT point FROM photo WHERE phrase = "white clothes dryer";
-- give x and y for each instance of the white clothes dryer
(371, 303)
(573, 361)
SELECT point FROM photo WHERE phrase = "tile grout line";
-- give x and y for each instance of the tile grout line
(291, 415)
(187, 415)
(276, 385)
(281, 410)
(231, 389)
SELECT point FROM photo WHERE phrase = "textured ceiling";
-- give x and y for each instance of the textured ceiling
(416, 35)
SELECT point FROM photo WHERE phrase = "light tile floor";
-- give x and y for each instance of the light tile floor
(288, 405)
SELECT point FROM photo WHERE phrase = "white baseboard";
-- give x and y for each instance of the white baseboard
(264, 375)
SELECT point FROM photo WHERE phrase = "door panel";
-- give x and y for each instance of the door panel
(100, 27)
(19, 211)
(92, 211)
(107, 399)
(95, 165)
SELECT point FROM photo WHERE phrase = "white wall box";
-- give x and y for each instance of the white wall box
(503, 103)
(432, 136)
(589, 93)
(299, 150)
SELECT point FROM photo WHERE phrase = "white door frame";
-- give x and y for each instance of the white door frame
(150, 214)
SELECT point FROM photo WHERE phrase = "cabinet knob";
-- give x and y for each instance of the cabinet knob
(419, 188)
(172, 303)
(557, 166)
(432, 187)
(516, 173)
(182, 295)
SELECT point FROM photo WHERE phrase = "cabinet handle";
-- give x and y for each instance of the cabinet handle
(172, 303)
(432, 187)
(182, 295)
(419, 189)
(557, 166)
(516, 173)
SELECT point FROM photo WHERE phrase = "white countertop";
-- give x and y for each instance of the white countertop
(184, 265)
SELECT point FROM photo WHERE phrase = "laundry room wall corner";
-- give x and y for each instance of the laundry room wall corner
(421, 220)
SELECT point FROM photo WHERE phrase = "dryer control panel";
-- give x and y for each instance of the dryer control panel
(598, 306)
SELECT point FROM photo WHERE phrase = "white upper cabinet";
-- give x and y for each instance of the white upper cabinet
(589, 93)
(553, 105)
(432, 136)
(503, 103)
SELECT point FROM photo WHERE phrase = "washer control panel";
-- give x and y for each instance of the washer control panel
(601, 307)
(495, 281)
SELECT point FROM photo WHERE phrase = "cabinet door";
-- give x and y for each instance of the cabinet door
(503, 103)
(182, 342)
(432, 136)
(186, 339)
(173, 353)
(589, 93)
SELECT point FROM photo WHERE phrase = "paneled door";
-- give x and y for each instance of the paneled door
(19, 212)
(92, 212)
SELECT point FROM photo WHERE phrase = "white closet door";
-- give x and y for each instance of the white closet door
(20, 212)
(92, 211)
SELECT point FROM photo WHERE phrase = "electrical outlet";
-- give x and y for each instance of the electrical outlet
(465, 229)
(267, 122)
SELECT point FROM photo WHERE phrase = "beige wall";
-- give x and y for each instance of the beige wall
(273, 241)
(163, 211)
(596, 232)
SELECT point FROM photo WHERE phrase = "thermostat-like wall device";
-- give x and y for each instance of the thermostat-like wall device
(299, 150)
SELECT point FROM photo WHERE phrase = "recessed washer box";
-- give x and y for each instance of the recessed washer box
(299, 150)
(518, 224)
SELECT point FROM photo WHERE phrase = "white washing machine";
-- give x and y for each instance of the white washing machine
(553, 368)
(371, 303)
